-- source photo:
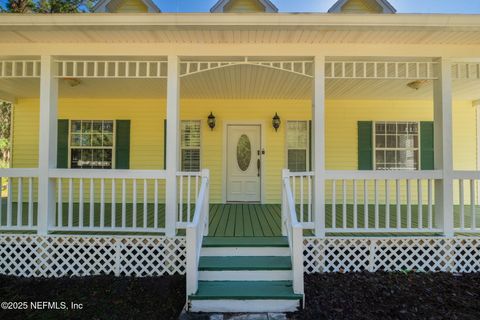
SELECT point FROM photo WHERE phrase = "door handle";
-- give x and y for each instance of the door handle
(258, 166)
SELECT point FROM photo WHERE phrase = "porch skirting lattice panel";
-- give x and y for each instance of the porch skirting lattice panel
(65, 255)
(428, 254)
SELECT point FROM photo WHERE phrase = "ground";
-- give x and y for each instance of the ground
(391, 296)
(102, 297)
(329, 296)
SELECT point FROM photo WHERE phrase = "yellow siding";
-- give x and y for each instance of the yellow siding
(359, 6)
(244, 6)
(132, 6)
(147, 118)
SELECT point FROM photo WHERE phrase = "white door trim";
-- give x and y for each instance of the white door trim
(226, 123)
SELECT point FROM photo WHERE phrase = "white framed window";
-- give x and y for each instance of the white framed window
(190, 145)
(91, 144)
(396, 145)
(298, 143)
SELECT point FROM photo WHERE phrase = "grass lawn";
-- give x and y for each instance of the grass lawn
(391, 296)
(102, 297)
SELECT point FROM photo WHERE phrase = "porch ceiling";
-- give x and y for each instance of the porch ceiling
(241, 28)
(240, 82)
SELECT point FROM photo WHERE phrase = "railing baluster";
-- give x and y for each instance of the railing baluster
(365, 203)
(92, 204)
(189, 218)
(344, 213)
(134, 204)
(80, 203)
(102, 203)
(334, 205)
(420, 203)
(124, 203)
(155, 203)
(387, 204)
(113, 212)
(309, 179)
(180, 196)
(70, 202)
(462, 204)
(30, 201)
(430, 204)
(472, 204)
(355, 211)
(301, 200)
(409, 206)
(375, 186)
(20, 202)
(145, 204)
(398, 200)
(60, 203)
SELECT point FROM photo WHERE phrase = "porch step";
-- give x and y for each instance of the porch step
(245, 290)
(247, 242)
(244, 263)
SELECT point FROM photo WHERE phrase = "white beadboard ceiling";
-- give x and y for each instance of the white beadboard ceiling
(241, 82)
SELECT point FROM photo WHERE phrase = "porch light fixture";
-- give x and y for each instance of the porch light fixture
(72, 82)
(276, 122)
(417, 84)
(211, 121)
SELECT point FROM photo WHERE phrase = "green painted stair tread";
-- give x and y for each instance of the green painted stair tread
(245, 290)
(220, 242)
(244, 263)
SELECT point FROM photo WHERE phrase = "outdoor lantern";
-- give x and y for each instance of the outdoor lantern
(211, 121)
(276, 122)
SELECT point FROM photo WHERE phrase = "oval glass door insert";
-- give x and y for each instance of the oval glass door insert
(244, 152)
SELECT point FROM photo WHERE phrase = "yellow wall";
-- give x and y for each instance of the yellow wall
(128, 6)
(244, 6)
(147, 118)
(359, 6)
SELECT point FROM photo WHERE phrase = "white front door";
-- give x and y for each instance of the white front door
(243, 163)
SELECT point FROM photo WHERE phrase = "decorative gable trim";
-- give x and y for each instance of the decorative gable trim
(384, 4)
(269, 6)
(102, 6)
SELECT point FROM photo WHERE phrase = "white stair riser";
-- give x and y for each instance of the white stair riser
(245, 252)
(247, 306)
(267, 275)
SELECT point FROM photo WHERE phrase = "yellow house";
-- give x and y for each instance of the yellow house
(271, 134)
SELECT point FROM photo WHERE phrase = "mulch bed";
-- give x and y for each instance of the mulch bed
(391, 296)
(102, 297)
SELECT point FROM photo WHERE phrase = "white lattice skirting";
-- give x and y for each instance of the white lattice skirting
(460, 254)
(58, 256)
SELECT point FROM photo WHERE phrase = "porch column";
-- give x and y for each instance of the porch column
(442, 99)
(173, 97)
(47, 158)
(318, 116)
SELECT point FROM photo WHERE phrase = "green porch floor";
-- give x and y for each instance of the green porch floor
(239, 220)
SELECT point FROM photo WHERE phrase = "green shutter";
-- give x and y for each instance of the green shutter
(427, 156)
(365, 145)
(165, 144)
(122, 147)
(62, 144)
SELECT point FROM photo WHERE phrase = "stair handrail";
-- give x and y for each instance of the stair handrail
(195, 231)
(294, 231)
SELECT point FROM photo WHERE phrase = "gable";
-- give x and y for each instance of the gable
(362, 6)
(244, 6)
(126, 6)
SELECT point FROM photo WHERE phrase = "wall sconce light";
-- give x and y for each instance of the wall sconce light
(211, 121)
(276, 122)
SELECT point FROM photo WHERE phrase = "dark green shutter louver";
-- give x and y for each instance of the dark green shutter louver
(427, 156)
(165, 144)
(62, 144)
(122, 148)
(365, 145)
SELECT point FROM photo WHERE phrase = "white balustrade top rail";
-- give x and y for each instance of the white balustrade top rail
(107, 174)
(382, 174)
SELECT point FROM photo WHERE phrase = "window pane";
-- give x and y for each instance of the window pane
(297, 160)
(380, 141)
(380, 128)
(97, 127)
(190, 160)
(297, 135)
(107, 140)
(76, 140)
(190, 134)
(380, 156)
(391, 128)
(86, 126)
(76, 156)
(391, 141)
(76, 126)
(97, 140)
(108, 126)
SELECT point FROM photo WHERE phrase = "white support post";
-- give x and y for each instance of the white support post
(173, 98)
(47, 144)
(318, 114)
(442, 98)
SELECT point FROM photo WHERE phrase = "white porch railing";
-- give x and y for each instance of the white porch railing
(292, 228)
(109, 200)
(196, 230)
(467, 200)
(188, 184)
(381, 201)
(19, 191)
